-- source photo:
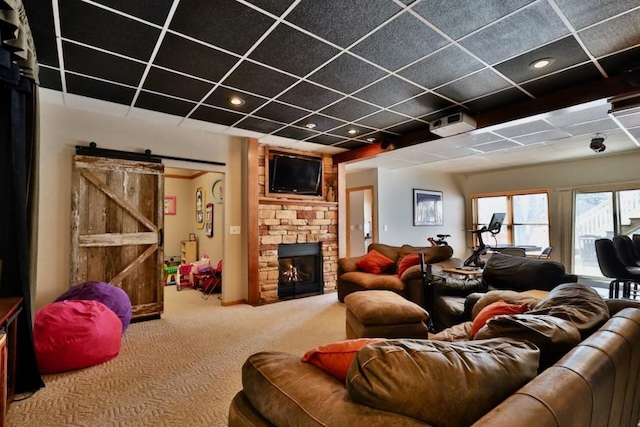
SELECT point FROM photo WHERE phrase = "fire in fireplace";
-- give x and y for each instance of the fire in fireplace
(299, 270)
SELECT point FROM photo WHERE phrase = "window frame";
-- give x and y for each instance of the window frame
(508, 224)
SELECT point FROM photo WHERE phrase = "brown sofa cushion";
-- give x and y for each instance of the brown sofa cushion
(383, 308)
(374, 281)
(511, 297)
(576, 303)
(553, 336)
(441, 383)
(521, 274)
(389, 251)
(459, 332)
(432, 254)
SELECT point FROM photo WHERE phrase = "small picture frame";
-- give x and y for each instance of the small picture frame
(208, 225)
(192, 237)
(427, 207)
(169, 205)
(200, 202)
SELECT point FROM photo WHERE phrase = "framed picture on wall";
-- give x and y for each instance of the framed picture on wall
(427, 207)
(169, 205)
(200, 207)
(208, 227)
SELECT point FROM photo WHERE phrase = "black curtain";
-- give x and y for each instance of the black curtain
(18, 169)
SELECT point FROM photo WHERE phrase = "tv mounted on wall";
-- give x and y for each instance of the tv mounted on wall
(295, 175)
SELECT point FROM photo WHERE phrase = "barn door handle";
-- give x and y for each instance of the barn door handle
(160, 237)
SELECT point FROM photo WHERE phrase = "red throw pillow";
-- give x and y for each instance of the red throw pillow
(495, 309)
(408, 261)
(374, 262)
(335, 358)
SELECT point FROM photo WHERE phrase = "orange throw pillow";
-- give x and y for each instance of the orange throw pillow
(496, 309)
(335, 358)
(374, 262)
(408, 261)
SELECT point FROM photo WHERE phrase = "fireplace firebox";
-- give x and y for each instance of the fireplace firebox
(300, 270)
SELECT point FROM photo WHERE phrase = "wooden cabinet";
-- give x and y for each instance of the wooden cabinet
(188, 252)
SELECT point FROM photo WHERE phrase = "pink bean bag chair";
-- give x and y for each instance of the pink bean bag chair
(76, 334)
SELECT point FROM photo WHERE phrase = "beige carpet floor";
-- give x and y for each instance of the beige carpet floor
(181, 370)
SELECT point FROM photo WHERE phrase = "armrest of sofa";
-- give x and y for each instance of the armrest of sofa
(346, 265)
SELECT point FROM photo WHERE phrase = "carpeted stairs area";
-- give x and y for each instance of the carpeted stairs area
(181, 370)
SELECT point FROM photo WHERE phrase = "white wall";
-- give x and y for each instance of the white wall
(177, 227)
(63, 128)
(394, 201)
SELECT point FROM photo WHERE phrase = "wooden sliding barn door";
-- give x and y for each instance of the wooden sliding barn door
(116, 228)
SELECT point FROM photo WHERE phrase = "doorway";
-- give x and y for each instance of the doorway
(362, 229)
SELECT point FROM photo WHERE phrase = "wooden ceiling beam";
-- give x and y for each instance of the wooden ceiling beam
(616, 86)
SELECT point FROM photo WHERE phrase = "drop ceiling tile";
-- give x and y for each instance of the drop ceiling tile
(630, 120)
(400, 42)
(222, 23)
(343, 131)
(548, 135)
(309, 96)
(46, 47)
(50, 78)
(458, 18)
(495, 146)
(382, 119)
(103, 65)
(295, 133)
(440, 114)
(497, 100)
(342, 22)
(178, 53)
(565, 53)
(409, 126)
(591, 128)
(349, 109)
(442, 67)
(414, 156)
(216, 115)
(325, 139)
(422, 105)
(524, 129)
(388, 91)
(133, 39)
(526, 29)
(563, 80)
(40, 15)
(175, 84)
(97, 89)
(293, 51)
(322, 123)
(221, 96)
(635, 132)
(151, 101)
(256, 79)
(258, 125)
(620, 62)
(584, 13)
(280, 112)
(613, 35)
(346, 74)
(458, 152)
(573, 116)
(473, 86)
(154, 11)
(277, 7)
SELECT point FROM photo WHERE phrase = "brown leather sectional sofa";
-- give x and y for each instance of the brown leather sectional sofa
(597, 383)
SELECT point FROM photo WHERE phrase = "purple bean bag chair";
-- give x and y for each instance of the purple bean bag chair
(75, 334)
(111, 296)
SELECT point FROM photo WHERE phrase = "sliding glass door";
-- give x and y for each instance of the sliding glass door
(597, 215)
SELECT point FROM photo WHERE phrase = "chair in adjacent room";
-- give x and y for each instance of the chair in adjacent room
(546, 253)
(513, 251)
(210, 280)
(612, 267)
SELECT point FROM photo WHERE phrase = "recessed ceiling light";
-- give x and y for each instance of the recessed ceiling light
(352, 131)
(371, 139)
(310, 125)
(541, 63)
(237, 101)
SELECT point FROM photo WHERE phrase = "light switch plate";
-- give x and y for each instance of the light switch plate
(234, 229)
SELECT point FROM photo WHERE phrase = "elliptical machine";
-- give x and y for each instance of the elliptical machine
(494, 228)
(440, 241)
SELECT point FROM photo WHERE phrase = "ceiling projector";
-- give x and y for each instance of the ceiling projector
(452, 125)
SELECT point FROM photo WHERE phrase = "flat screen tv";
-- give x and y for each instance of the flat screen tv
(295, 175)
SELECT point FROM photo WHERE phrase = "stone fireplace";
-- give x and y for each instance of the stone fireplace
(299, 270)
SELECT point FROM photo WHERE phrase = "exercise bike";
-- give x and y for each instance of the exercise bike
(494, 228)
(440, 241)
